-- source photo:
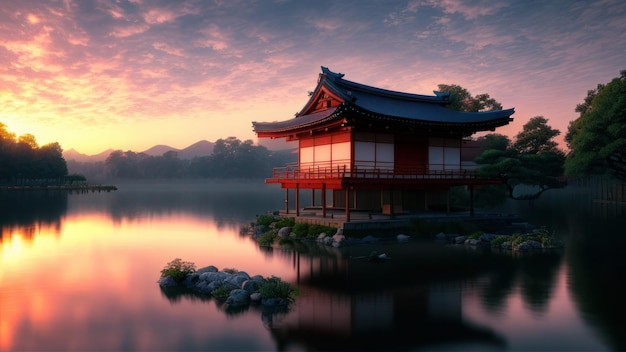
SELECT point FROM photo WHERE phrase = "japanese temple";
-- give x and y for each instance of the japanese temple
(367, 150)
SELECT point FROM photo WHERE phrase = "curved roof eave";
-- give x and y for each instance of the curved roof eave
(298, 122)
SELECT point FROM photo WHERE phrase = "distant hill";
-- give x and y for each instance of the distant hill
(159, 150)
(201, 148)
(73, 154)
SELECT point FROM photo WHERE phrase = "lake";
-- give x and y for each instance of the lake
(79, 272)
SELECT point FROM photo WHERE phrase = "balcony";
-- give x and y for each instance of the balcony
(317, 172)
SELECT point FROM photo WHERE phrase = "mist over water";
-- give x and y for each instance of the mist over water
(79, 271)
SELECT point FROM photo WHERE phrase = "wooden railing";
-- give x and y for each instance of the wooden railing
(294, 172)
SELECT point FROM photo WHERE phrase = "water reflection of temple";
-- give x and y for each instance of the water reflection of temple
(349, 303)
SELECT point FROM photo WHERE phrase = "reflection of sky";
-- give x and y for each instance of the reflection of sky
(95, 285)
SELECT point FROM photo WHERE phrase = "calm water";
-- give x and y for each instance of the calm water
(79, 271)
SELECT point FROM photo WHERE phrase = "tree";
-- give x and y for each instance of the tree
(494, 141)
(21, 159)
(536, 137)
(597, 138)
(50, 162)
(462, 100)
(533, 161)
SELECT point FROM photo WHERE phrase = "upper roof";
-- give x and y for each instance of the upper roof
(341, 96)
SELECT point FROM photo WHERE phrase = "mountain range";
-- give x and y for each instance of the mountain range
(201, 148)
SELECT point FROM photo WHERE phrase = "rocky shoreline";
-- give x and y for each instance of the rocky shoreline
(526, 239)
(233, 288)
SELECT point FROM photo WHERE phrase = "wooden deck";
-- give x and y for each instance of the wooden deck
(364, 220)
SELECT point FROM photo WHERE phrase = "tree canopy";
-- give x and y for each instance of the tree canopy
(597, 138)
(462, 100)
(231, 158)
(533, 160)
(22, 158)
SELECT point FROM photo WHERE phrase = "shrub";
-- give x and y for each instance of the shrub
(230, 270)
(220, 293)
(266, 220)
(274, 287)
(285, 240)
(300, 229)
(475, 235)
(178, 269)
(315, 230)
(499, 240)
(267, 239)
(517, 239)
(285, 222)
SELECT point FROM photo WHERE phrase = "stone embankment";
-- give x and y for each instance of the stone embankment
(530, 240)
(235, 288)
(535, 240)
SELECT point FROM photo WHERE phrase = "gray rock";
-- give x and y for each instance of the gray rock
(402, 238)
(214, 276)
(369, 239)
(205, 287)
(207, 269)
(339, 238)
(238, 298)
(250, 286)
(472, 242)
(460, 239)
(260, 279)
(284, 232)
(321, 237)
(167, 281)
(441, 236)
(235, 280)
(260, 230)
(190, 280)
(487, 237)
(212, 286)
(243, 274)
(255, 297)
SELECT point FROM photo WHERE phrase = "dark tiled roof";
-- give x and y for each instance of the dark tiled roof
(387, 104)
(296, 122)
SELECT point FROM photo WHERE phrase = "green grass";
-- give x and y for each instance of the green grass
(178, 269)
(274, 287)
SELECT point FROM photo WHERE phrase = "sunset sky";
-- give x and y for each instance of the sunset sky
(130, 74)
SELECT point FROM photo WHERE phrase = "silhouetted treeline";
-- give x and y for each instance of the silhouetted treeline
(22, 160)
(231, 158)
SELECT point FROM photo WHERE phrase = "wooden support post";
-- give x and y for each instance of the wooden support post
(391, 200)
(286, 200)
(297, 199)
(313, 197)
(347, 204)
(448, 201)
(471, 189)
(323, 200)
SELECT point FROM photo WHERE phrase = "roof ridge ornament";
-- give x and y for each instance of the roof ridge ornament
(331, 74)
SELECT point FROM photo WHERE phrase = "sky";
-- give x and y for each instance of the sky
(130, 74)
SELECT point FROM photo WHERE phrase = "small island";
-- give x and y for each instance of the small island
(232, 287)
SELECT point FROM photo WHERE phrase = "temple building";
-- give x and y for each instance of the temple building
(363, 149)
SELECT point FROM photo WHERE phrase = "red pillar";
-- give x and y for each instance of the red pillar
(297, 199)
